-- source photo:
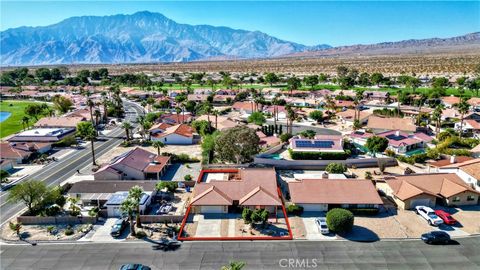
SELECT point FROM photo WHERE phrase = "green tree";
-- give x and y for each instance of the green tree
(88, 132)
(171, 186)
(202, 127)
(376, 144)
(257, 118)
(128, 207)
(463, 108)
(308, 133)
(25, 121)
(271, 78)
(340, 220)
(158, 145)
(293, 83)
(311, 80)
(136, 193)
(208, 147)
(34, 110)
(237, 144)
(377, 78)
(316, 115)
(285, 137)
(127, 126)
(30, 192)
(336, 168)
(43, 74)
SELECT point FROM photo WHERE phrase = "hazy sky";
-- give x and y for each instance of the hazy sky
(331, 22)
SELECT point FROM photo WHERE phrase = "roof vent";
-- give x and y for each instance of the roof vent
(453, 159)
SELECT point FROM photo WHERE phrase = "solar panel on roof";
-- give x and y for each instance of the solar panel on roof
(314, 144)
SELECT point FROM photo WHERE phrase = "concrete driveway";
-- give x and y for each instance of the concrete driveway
(311, 228)
(209, 225)
(101, 232)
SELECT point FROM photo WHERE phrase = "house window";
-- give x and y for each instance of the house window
(456, 199)
(470, 198)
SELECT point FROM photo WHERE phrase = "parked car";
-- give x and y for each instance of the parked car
(134, 266)
(166, 244)
(118, 227)
(428, 214)
(164, 209)
(446, 217)
(436, 237)
(322, 225)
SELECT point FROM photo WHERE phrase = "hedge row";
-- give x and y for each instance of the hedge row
(364, 211)
(317, 156)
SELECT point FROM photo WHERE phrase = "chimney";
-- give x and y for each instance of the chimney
(397, 133)
(453, 159)
(324, 175)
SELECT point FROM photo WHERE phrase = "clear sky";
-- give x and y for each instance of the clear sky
(331, 22)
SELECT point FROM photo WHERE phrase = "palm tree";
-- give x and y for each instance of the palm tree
(128, 207)
(158, 145)
(136, 193)
(90, 105)
(25, 121)
(127, 126)
(146, 126)
(105, 107)
(234, 265)
(437, 117)
(463, 108)
(87, 131)
(215, 113)
(97, 117)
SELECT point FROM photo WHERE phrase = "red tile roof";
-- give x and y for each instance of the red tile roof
(332, 191)
(250, 186)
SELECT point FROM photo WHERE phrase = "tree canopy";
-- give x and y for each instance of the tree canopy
(376, 144)
(237, 144)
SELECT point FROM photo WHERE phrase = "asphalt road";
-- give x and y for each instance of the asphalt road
(57, 172)
(258, 255)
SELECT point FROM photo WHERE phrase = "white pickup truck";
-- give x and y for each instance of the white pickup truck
(428, 214)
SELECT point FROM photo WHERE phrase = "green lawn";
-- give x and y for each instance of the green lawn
(13, 123)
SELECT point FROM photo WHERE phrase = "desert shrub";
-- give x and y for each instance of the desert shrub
(51, 229)
(390, 152)
(140, 234)
(93, 212)
(340, 220)
(181, 158)
(53, 210)
(69, 231)
(294, 209)
(170, 185)
(187, 177)
(336, 168)
(4, 174)
(246, 215)
(285, 137)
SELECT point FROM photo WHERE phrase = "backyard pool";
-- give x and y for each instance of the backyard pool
(4, 116)
(272, 156)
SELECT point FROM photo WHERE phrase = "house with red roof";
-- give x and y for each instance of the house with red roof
(136, 164)
(227, 190)
(398, 141)
(175, 135)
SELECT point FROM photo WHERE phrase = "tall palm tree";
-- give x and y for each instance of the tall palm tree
(215, 113)
(90, 105)
(97, 117)
(128, 207)
(127, 126)
(158, 145)
(146, 126)
(25, 121)
(105, 107)
(463, 108)
(437, 117)
(136, 193)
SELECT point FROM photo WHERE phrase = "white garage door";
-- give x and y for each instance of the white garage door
(309, 207)
(212, 209)
(417, 202)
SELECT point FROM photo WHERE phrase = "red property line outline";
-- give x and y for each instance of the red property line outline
(233, 238)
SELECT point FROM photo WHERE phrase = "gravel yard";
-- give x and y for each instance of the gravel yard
(40, 233)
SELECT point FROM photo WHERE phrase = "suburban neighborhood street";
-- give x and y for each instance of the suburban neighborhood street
(57, 172)
(410, 254)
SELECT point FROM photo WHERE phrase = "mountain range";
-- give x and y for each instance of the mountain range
(146, 37)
